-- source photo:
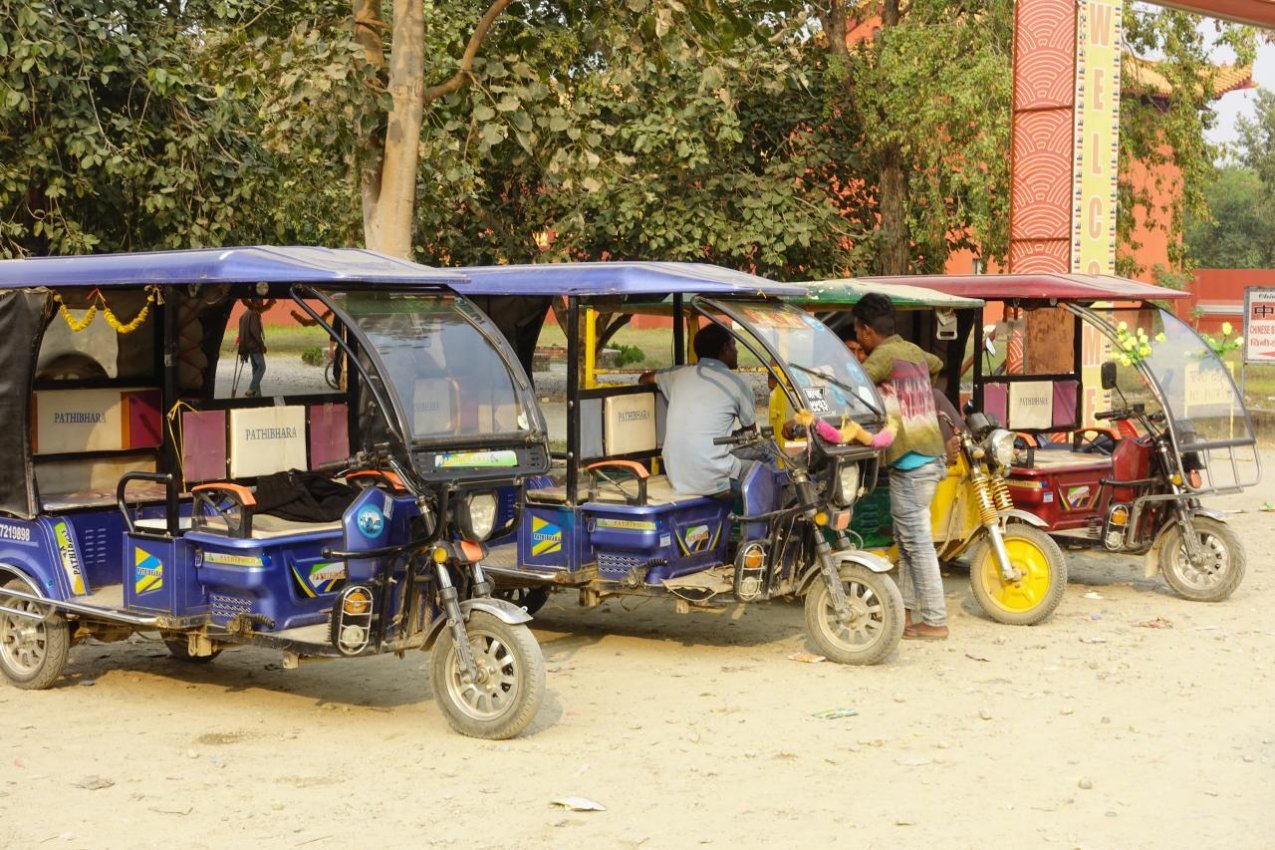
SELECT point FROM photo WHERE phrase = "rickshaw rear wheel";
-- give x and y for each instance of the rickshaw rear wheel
(32, 652)
(1220, 573)
(179, 648)
(1034, 596)
(511, 680)
(876, 624)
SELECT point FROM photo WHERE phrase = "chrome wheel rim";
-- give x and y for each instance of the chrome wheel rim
(495, 689)
(1210, 571)
(23, 641)
(867, 616)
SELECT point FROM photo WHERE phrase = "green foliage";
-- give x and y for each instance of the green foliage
(1239, 230)
(1159, 131)
(628, 355)
(313, 356)
(113, 135)
(936, 87)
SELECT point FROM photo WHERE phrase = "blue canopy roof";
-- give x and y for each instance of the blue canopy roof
(221, 265)
(619, 278)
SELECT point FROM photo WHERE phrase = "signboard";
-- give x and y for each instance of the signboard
(1099, 38)
(1259, 325)
(1031, 405)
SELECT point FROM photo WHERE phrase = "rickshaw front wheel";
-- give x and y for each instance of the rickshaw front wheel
(876, 622)
(1213, 579)
(32, 652)
(1043, 577)
(510, 684)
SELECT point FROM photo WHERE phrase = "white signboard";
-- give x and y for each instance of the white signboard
(266, 439)
(1259, 325)
(1031, 405)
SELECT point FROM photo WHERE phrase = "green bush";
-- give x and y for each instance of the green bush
(628, 355)
(312, 356)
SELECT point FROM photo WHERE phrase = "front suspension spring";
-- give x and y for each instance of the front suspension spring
(984, 501)
(1000, 494)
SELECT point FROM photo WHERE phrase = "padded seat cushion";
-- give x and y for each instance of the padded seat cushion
(1066, 459)
(658, 492)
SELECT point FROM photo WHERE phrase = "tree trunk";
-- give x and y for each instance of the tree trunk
(388, 218)
(895, 253)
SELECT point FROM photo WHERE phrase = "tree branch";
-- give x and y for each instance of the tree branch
(462, 76)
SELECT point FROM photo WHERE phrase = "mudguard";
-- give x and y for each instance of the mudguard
(1022, 516)
(502, 609)
(876, 563)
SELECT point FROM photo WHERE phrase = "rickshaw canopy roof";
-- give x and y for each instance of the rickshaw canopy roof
(619, 278)
(848, 291)
(221, 265)
(1084, 288)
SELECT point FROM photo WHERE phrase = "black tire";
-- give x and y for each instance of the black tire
(330, 376)
(532, 599)
(179, 648)
(876, 628)
(32, 652)
(512, 686)
(1218, 576)
(1037, 594)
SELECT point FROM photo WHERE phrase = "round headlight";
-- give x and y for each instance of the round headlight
(1001, 447)
(847, 484)
(481, 511)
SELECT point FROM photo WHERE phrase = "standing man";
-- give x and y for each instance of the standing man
(252, 345)
(705, 401)
(915, 458)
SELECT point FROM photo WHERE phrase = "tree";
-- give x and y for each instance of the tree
(928, 92)
(1239, 232)
(112, 137)
(1164, 131)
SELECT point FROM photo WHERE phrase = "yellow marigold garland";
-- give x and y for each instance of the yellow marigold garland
(111, 319)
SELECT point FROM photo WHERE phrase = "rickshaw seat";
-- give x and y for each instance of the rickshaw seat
(143, 492)
(1066, 459)
(658, 492)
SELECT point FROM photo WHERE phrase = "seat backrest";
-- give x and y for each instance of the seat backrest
(267, 439)
(628, 424)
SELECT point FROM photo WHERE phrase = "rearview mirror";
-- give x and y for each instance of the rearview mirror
(1109, 375)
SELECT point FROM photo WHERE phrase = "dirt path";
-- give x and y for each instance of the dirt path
(1093, 730)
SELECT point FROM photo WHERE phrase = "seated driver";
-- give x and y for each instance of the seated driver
(706, 400)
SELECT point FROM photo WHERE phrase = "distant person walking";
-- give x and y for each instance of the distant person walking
(252, 345)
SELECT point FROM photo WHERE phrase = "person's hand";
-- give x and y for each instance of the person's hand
(646, 378)
(953, 447)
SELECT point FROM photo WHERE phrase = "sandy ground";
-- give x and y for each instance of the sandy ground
(1092, 730)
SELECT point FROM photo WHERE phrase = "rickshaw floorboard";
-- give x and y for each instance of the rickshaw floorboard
(317, 633)
(111, 596)
(502, 556)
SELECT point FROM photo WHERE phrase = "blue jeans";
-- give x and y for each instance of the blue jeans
(258, 363)
(920, 581)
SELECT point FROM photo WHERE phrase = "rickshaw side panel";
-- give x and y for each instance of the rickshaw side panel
(1066, 495)
(27, 548)
(682, 537)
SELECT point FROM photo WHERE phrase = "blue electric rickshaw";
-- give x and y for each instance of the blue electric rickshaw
(142, 491)
(608, 523)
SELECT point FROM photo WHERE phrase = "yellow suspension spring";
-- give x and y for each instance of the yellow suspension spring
(983, 500)
(1000, 494)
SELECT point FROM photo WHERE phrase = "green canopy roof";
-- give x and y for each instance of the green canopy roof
(846, 292)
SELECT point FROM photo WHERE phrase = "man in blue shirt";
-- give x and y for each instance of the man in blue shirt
(705, 401)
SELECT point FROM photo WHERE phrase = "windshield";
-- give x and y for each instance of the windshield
(448, 376)
(828, 379)
(1194, 383)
